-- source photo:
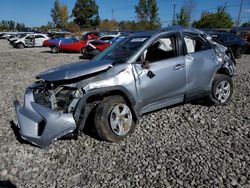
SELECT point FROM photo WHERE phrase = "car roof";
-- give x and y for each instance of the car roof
(183, 29)
(108, 36)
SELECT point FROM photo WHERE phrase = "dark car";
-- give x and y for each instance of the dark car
(235, 43)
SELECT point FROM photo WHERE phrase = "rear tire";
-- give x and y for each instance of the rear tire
(113, 119)
(54, 49)
(83, 51)
(222, 89)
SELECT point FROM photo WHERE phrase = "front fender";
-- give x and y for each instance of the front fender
(83, 109)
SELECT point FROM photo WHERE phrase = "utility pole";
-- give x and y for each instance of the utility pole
(112, 14)
(238, 20)
(173, 23)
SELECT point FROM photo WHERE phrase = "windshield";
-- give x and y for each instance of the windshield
(123, 49)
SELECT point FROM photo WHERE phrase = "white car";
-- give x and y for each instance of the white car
(31, 40)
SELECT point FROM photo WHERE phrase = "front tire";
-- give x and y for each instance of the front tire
(20, 45)
(95, 53)
(113, 119)
(222, 89)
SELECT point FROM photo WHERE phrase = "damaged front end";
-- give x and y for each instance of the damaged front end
(49, 104)
(47, 113)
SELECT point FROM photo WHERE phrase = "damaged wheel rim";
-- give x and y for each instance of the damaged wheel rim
(223, 91)
(120, 119)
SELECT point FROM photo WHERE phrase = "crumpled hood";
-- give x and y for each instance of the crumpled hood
(75, 70)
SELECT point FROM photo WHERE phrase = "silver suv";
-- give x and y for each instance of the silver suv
(136, 75)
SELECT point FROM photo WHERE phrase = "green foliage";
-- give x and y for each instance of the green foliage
(220, 19)
(86, 13)
(147, 14)
(10, 25)
(73, 27)
(59, 14)
(129, 25)
(246, 24)
(182, 18)
(108, 25)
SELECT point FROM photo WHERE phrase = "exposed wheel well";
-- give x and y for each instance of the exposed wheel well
(101, 96)
(86, 108)
(223, 71)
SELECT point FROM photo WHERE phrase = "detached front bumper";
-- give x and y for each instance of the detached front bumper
(40, 125)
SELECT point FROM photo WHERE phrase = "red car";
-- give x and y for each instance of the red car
(94, 48)
(70, 44)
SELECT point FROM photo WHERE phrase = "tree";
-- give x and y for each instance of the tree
(189, 6)
(147, 14)
(108, 25)
(59, 14)
(72, 27)
(219, 19)
(246, 24)
(12, 25)
(55, 13)
(64, 16)
(182, 18)
(85, 13)
(128, 25)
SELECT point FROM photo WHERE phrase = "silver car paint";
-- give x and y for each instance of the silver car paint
(74, 70)
(31, 114)
(173, 79)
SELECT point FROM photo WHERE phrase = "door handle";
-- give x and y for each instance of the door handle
(178, 66)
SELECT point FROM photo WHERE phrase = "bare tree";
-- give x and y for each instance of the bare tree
(189, 6)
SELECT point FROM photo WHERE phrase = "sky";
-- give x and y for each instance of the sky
(36, 13)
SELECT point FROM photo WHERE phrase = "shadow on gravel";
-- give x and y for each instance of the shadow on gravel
(84, 57)
(18, 136)
(89, 128)
(7, 184)
(45, 52)
(202, 102)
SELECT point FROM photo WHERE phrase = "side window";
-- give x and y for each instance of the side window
(39, 36)
(194, 44)
(106, 38)
(30, 37)
(161, 49)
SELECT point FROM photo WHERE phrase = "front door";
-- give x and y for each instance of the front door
(162, 83)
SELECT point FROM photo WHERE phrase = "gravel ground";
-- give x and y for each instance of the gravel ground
(190, 145)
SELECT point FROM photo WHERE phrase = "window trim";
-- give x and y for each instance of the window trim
(207, 45)
(177, 36)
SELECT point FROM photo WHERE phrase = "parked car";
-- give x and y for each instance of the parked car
(65, 45)
(235, 43)
(91, 35)
(17, 36)
(139, 74)
(71, 44)
(94, 48)
(31, 40)
(107, 38)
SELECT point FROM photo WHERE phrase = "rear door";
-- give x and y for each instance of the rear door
(201, 65)
(162, 83)
(39, 40)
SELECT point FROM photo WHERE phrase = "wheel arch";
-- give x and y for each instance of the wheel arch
(223, 70)
(89, 101)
